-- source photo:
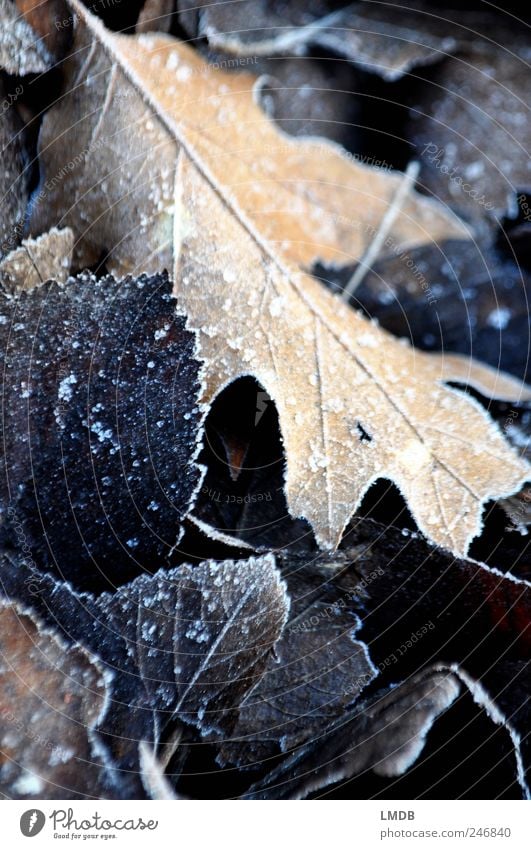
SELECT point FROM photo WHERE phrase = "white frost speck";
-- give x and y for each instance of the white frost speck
(499, 318)
(65, 387)
(229, 275)
(28, 785)
(276, 306)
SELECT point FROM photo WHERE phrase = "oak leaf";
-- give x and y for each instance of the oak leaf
(174, 165)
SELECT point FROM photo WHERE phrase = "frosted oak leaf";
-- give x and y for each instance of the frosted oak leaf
(177, 167)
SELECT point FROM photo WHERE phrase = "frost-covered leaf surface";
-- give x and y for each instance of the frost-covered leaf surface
(183, 645)
(389, 40)
(21, 50)
(48, 257)
(319, 668)
(101, 424)
(386, 736)
(244, 450)
(233, 261)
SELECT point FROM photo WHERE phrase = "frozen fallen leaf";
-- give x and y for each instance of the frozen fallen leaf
(471, 125)
(183, 645)
(48, 257)
(233, 221)
(389, 40)
(318, 670)
(156, 784)
(101, 424)
(386, 736)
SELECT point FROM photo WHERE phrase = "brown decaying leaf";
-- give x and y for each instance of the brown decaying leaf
(387, 39)
(100, 432)
(48, 257)
(51, 698)
(386, 736)
(21, 50)
(317, 671)
(471, 127)
(234, 217)
(14, 177)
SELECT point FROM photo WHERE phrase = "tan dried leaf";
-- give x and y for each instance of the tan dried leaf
(48, 257)
(186, 172)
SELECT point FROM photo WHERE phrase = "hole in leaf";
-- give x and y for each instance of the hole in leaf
(243, 489)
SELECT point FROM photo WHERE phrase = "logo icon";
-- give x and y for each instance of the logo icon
(32, 822)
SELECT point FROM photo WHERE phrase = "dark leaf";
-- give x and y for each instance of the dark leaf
(51, 21)
(386, 736)
(318, 669)
(471, 128)
(101, 425)
(155, 16)
(458, 296)
(14, 181)
(36, 260)
(184, 645)
(21, 50)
